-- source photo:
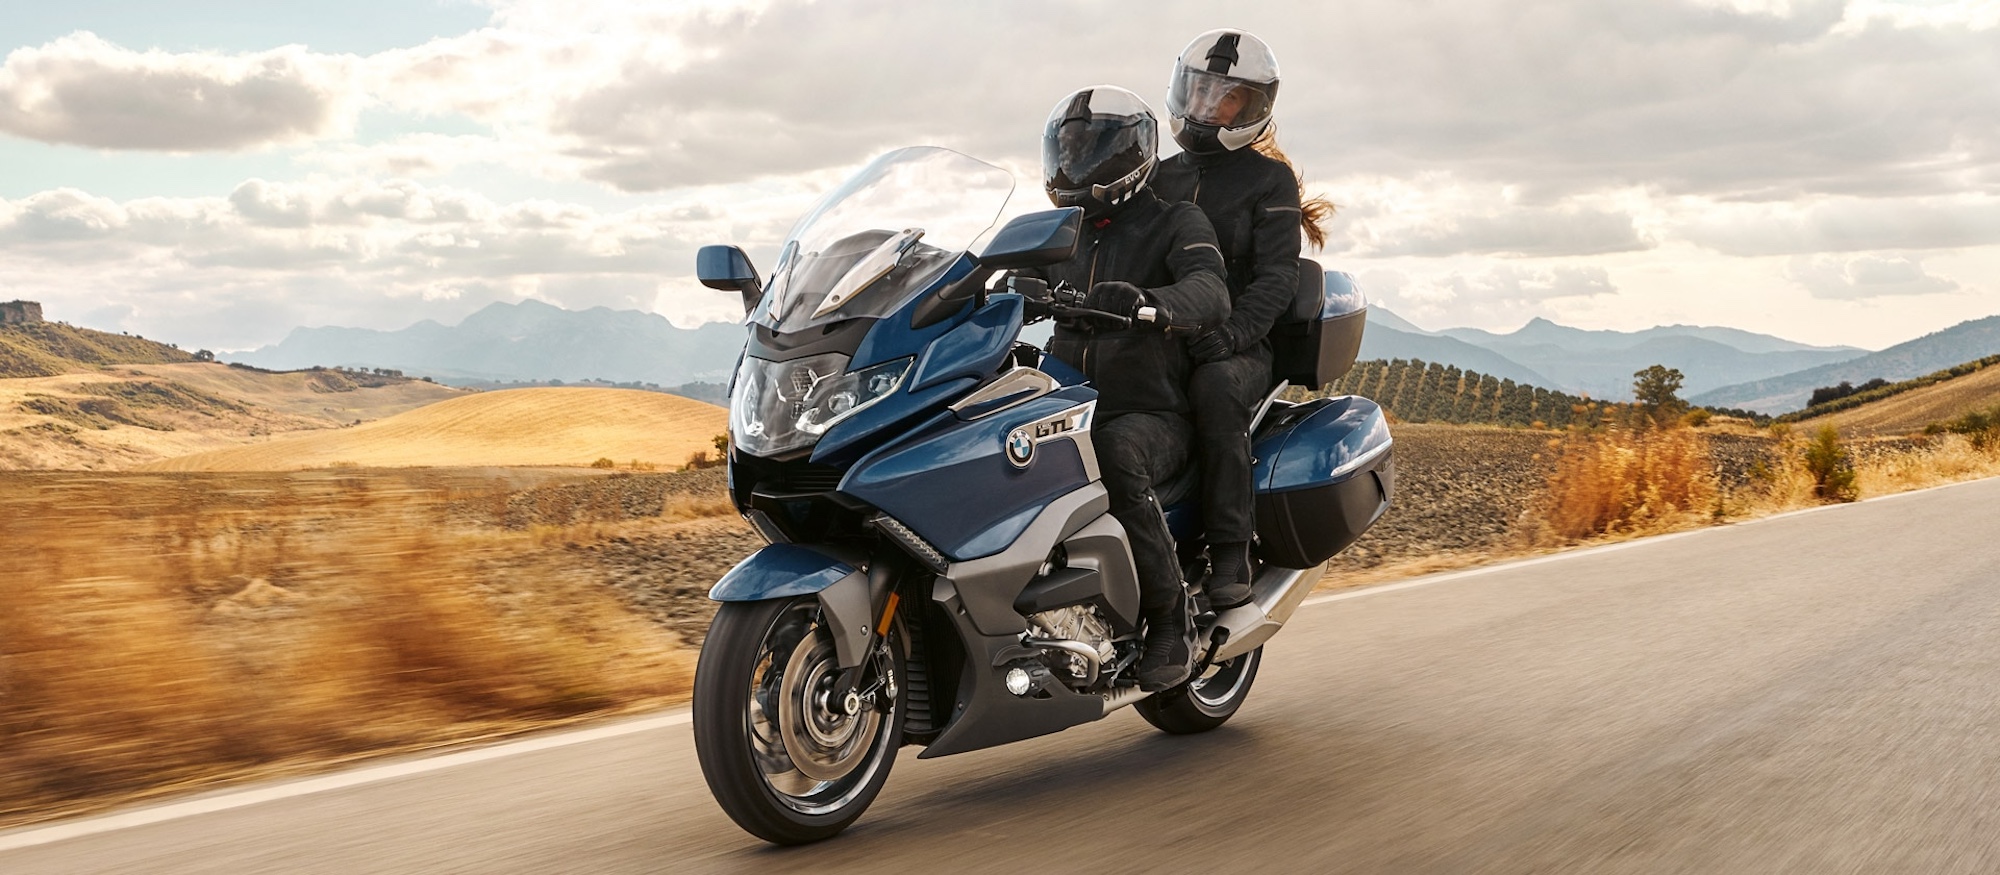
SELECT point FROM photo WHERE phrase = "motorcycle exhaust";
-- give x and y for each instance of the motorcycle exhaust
(1275, 594)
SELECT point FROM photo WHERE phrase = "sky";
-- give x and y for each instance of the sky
(218, 172)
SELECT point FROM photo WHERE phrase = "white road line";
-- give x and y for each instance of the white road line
(338, 781)
(342, 780)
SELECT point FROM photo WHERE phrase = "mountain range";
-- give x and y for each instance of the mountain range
(529, 341)
(1723, 367)
(1600, 363)
(1913, 358)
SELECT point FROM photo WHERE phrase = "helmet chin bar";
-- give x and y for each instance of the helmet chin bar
(1200, 139)
(1123, 188)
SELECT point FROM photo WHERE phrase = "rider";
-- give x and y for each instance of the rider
(1219, 102)
(1099, 148)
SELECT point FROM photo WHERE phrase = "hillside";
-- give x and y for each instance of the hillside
(1599, 363)
(46, 349)
(531, 341)
(74, 398)
(517, 427)
(1381, 341)
(1932, 352)
(1910, 411)
(1413, 390)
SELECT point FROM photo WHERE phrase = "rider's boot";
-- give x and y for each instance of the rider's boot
(1228, 582)
(1169, 648)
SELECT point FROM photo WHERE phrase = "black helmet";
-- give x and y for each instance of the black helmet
(1221, 95)
(1098, 148)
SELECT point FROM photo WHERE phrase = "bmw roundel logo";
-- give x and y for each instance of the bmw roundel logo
(1020, 448)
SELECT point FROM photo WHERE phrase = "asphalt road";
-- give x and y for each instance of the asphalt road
(1815, 693)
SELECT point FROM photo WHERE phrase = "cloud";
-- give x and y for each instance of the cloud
(84, 91)
(1740, 100)
(1847, 225)
(1869, 276)
(1524, 232)
(359, 252)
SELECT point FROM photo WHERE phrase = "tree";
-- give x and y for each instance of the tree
(1657, 390)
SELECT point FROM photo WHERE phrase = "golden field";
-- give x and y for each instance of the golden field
(539, 426)
(117, 417)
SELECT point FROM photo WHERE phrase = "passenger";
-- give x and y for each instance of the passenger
(1219, 102)
(1099, 149)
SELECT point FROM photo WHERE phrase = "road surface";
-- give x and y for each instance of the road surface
(1813, 693)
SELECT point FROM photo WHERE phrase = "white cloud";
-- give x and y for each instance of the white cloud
(1868, 276)
(580, 149)
(360, 252)
(1847, 224)
(85, 91)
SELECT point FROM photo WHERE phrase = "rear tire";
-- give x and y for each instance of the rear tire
(760, 710)
(1205, 701)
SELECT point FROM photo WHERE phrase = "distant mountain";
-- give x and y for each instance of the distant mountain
(1932, 352)
(531, 341)
(1598, 363)
(1381, 341)
(1542, 331)
(1601, 363)
(1380, 315)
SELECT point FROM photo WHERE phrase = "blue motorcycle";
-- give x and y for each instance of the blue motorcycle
(942, 570)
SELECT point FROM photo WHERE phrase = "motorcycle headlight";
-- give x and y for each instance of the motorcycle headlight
(779, 407)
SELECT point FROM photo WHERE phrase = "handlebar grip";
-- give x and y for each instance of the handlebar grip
(1148, 314)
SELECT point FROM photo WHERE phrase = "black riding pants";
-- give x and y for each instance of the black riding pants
(1137, 452)
(1225, 396)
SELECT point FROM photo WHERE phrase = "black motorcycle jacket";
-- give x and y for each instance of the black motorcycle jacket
(1170, 251)
(1253, 203)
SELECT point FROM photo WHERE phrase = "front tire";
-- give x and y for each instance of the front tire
(1205, 701)
(784, 761)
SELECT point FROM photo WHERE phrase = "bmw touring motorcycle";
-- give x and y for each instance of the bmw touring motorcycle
(942, 570)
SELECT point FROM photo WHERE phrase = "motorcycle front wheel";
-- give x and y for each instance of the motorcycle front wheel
(787, 759)
(1207, 700)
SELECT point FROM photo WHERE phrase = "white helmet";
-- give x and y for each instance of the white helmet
(1224, 86)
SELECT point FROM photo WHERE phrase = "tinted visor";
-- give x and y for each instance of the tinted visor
(1097, 137)
(1223, 101)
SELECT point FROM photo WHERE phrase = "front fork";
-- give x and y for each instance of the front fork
(870, 681)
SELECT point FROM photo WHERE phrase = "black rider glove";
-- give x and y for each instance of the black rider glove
(1212, 347)
(1123, 299)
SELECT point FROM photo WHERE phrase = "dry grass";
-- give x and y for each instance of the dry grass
(540, 426)
(1621, 481)
(1947, 459)
(156, 631)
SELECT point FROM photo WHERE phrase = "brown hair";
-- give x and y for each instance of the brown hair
(1314, 210)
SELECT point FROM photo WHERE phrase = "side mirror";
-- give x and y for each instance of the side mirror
(1033, 240)
(728, 269)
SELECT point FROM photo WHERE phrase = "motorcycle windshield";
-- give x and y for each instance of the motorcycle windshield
(882, 237)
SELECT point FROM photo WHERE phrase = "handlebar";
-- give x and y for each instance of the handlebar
(1068, 300)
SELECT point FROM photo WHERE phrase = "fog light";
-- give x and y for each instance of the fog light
(1018, 682)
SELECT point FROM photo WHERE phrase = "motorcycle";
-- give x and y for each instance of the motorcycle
(942, 569)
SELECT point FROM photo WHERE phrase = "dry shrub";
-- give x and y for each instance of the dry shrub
(696, 506)
(178, 631)
(1947, 459)
(1617, 480)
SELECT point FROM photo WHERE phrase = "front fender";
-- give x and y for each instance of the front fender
(785, 570)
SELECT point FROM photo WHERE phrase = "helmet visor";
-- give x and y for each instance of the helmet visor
(1096, 141)
(1223, 101)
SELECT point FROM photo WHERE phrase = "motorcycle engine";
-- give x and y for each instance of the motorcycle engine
(1077, 623)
